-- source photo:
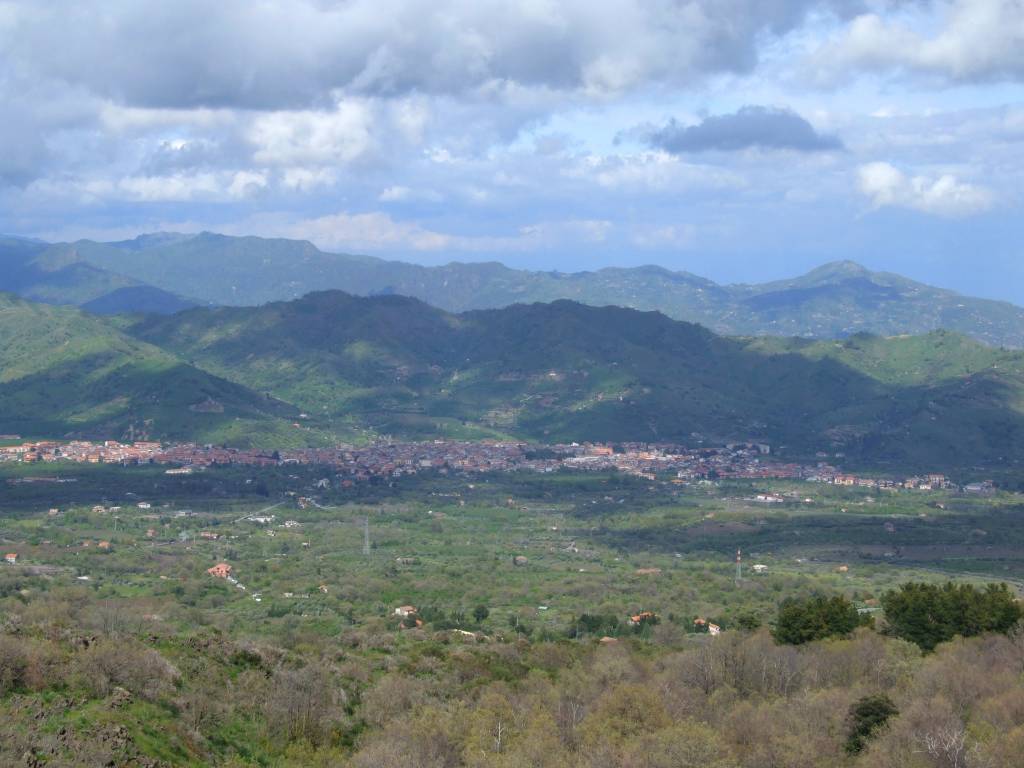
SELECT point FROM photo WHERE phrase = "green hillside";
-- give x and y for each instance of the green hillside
(66, 373)
(834, 301)
(391, 365)
(566, 371)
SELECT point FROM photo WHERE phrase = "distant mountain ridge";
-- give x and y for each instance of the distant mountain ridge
(836, 300)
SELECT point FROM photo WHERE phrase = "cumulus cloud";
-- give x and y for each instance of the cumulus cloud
(885, 185)
(307, 137)
(974, 40)
(295, 53)
(750, 127)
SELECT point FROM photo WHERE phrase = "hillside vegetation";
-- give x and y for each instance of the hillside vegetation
(347, 367)
(565, 371)
(64, 372)
(151, 661)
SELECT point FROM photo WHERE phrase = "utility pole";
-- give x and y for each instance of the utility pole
(739, 566)
(366, 535)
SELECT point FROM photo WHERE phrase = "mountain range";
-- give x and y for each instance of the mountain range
(166, 272)
(333, 366)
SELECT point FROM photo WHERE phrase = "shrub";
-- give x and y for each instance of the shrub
(867, 715)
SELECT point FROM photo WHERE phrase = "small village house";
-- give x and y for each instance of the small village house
(642, 618)
(220, 570)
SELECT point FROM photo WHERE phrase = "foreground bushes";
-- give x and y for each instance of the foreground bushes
(416, 699)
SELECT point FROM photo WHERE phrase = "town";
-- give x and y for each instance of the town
(741, 461)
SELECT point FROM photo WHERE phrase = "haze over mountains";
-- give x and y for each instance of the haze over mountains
(165, 272)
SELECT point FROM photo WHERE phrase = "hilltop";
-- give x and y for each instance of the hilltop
(834, 301)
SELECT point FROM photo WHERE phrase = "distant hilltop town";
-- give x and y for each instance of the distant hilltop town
(395, 459)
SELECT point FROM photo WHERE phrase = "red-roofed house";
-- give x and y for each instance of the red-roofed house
(220, 570)
(11, 558)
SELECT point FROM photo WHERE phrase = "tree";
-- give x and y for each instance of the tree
(480, 613)
(801, 621)
(929, 614)
(867, 715)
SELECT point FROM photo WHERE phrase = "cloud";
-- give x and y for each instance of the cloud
(887, 186)
(650, 171)
(207, 187)
(368, 232)
(289, 54)
(398, 193)
(376, 232)
(434, 129)
(318, 138)
(975, 40)
(750, 127)
(672, 236)
(24, 152)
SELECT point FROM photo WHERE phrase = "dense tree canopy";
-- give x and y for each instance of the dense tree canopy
(815, 618)
(929, 614)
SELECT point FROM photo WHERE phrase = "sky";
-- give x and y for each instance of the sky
(742, 140)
